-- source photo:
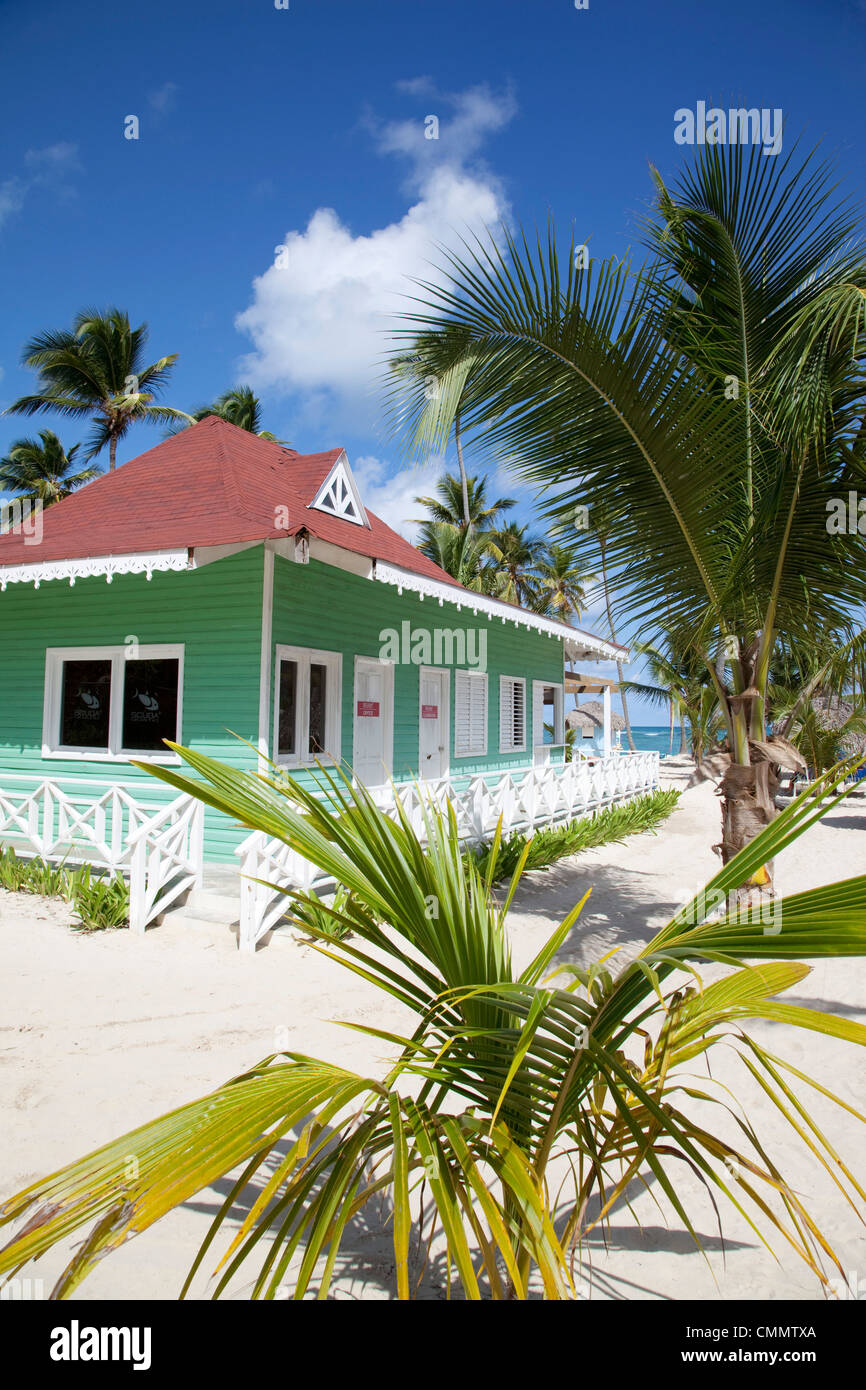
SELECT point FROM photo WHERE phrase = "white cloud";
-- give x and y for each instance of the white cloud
(472, 117)
(61, 158)
(12, 195)
(390, 491)
(322, 322)
(46, 168)
(163, 99)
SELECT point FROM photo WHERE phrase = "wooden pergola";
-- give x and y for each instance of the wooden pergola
(578, 684)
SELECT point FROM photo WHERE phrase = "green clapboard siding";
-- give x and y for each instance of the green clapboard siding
(215, 612)
(316, 605)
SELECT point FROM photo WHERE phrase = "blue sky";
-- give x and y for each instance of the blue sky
(304, 128)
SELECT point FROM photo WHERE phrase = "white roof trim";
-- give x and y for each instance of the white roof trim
(89, 567)
(578, 642)
(346, 497)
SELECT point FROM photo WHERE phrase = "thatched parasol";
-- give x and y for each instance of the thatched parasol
(595, 710)
(833, 713)
(584, 723)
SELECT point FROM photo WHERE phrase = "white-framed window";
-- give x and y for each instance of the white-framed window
(307, 706)
(113, 702)
(548, 716)
(512, 714)
(470, 714)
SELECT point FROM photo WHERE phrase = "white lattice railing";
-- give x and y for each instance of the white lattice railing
(167, 859)
(157, 844)
(77, 824)
(524, 798)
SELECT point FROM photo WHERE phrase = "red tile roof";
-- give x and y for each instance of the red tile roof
(212, 484)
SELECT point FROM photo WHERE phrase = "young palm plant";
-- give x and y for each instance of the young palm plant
(503, 1076)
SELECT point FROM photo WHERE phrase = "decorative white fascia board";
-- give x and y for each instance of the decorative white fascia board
(582, 642)
(586, 646)
(94, 566)
(340, 495)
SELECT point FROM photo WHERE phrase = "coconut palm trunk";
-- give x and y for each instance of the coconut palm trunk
(619, 671)
(464, 485)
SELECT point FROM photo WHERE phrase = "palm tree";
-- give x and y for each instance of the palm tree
(463, 502)
(460, 551)
(561, 584)
(97, 370)
(514, 561)
(240, 406)
(718, 393)
(43, 471)
(502, 1082)
(683, 685)
(443, 372)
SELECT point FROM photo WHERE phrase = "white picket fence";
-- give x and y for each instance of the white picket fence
(76, 823)
(523, 798)
(158, 845)
(167, 859)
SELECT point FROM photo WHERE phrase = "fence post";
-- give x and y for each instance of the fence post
(138, 887)
(196, 843)
(249, 895)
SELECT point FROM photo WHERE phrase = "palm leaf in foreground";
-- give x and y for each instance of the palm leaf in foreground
(505, 1082)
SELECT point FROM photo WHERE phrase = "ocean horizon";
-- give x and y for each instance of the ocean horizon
(648, 738)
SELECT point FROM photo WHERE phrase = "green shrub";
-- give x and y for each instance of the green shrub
(98, 903)
(608, 826)
(32, 876)
(13, 871)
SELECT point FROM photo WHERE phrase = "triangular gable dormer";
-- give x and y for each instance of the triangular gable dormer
(339, 496)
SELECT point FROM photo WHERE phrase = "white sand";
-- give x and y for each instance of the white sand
(103, 1032)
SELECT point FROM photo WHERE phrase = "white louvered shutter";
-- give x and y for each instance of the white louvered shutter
(512, 714)
(470, 714)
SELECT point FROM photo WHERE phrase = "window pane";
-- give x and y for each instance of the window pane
(150, 703)
(85, 704)
(287, 745)
(550, 721)
(318, 692)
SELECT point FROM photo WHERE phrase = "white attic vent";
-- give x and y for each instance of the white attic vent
(339, 496)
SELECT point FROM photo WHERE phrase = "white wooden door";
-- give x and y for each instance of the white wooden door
(433, 724)
(373, 720)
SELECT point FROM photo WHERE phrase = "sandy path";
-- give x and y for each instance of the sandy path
(101, 1033)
